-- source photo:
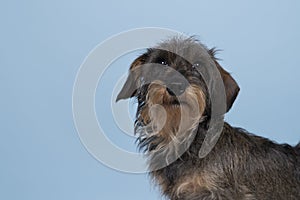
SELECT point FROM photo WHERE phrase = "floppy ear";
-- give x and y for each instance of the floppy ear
(130, 87)
(231, 87)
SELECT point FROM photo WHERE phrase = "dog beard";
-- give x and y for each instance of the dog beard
(170, 122)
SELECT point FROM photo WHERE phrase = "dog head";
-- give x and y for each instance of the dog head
(173, 96)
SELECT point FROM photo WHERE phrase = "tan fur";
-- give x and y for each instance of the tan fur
(197, 182)
(194, 183)
(193, 100)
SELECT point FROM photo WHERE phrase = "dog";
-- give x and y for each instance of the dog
(176, 115)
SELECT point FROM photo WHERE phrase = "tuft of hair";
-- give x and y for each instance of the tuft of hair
(213, 52)
(297, 147)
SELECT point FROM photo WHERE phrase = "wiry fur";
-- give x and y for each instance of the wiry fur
(241, 166)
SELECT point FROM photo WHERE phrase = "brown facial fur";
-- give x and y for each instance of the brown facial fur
(167, 120)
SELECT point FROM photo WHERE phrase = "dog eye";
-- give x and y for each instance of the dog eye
(161, 61)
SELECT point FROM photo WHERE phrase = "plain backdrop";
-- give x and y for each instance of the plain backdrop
(43, 43)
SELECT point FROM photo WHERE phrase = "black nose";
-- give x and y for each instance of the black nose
(176, 89)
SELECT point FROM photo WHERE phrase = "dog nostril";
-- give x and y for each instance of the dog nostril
(171, 92)
(175, 89)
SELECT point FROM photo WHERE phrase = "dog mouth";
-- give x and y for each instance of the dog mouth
(175, 103)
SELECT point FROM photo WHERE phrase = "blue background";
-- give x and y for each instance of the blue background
(43, 43)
